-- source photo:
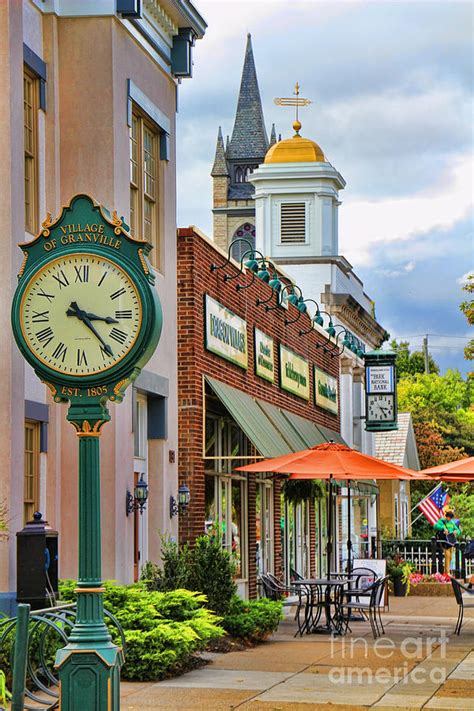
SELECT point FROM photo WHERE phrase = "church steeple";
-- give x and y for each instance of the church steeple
(249, 138)
(273, 137)
(220, 164)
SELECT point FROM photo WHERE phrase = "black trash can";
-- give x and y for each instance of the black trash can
(37, 564)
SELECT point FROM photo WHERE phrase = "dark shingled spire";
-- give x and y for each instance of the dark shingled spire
(249, 137)
(273, 137)
(220, 164)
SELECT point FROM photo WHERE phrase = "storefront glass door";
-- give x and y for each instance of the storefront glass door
(264, 526)
(295, 535)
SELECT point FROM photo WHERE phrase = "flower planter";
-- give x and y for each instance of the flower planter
(399, 588)
(431, 590)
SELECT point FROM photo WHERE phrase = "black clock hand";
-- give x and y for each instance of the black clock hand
(74, 311)
(89, 325)
(82, 316)
(107, 319)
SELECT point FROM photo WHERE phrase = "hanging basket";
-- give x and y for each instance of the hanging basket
(295, 490)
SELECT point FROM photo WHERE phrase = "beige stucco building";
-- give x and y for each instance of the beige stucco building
(91, 92)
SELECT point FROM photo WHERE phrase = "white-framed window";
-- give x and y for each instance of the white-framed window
(31, 474)
(293, 221)
(225, 492)
(30, 132)
(145, 183)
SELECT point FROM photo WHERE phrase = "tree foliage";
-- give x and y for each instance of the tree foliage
(467, 307)
(410, 363)
(442, 408)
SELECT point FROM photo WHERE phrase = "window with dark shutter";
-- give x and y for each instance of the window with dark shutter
(293, 223)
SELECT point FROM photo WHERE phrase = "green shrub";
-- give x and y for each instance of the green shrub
(162, 630)
(252, 620)
(205, 567)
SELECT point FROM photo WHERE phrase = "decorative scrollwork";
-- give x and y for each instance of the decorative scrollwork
(22, 268)
(117, 222)
(143, 262)
(46, 224)
(84, 428)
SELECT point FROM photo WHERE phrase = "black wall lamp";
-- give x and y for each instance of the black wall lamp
(180, 505)
(215, 267)
(137, 500)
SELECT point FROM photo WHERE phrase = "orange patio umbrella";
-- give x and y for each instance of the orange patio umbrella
(461, 470)
(332, 461)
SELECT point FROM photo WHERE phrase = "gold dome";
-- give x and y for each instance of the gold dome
(295, 150)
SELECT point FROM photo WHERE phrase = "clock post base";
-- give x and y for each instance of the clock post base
(89, 678)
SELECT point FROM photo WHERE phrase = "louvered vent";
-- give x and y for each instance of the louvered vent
(293, 223)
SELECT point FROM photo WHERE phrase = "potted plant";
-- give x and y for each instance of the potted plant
(399, 572)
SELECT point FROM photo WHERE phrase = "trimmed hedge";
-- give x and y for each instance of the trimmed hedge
(162, 630)
(252, 620)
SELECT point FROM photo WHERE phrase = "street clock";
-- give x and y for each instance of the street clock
(86, 317)
(380, 391)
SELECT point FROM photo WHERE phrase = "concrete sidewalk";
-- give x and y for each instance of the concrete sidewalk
(418, 664)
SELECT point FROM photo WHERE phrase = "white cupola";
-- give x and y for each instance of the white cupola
(296, 201)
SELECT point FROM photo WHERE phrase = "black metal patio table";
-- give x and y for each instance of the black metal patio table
(322, 593)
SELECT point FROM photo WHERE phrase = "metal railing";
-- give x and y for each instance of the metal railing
(428, 556)
(29, 643)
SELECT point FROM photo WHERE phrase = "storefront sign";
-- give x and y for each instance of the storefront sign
(325, 390)
(264, 356)
(226, 333)
(380, 379)
(294, 373)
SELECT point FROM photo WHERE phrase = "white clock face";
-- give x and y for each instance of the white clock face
(381, 408)
(80, 314)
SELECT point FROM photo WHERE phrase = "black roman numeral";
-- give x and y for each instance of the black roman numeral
(102, 278)
(81, 357)
(40, 317)
(118, 335)
(45, 335)
(42, 292)
(103, 353)
(117, 293)
(60, 351)
(61, 279)
(82, 273)
(123, 314)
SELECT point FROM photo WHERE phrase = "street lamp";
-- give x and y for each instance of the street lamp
(180, 505)
(137, 501)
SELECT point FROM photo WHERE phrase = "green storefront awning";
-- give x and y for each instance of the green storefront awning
(271, 429)
(290, 434)
(330, 434)
(309, 431)
(250, 418)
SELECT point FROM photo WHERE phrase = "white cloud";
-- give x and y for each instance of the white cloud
(365, 222)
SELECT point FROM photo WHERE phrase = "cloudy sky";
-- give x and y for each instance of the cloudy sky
(391, 85)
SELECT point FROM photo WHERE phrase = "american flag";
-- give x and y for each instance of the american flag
(432, 505)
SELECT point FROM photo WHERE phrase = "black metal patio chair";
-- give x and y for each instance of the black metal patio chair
(352, 596)
(458, 589)
(274, 589)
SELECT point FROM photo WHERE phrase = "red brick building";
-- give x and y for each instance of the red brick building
(246, 389)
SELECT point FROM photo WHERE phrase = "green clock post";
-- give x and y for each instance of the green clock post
(87, 317)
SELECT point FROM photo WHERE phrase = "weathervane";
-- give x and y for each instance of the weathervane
(295, 101)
